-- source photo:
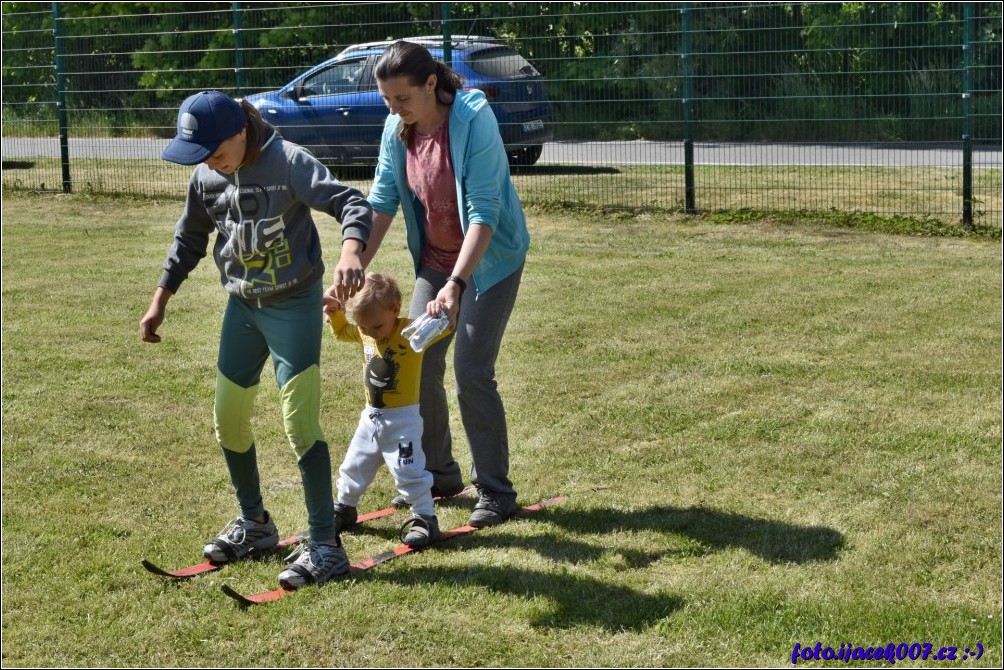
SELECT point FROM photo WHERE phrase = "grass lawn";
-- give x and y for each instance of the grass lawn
(770, 433)
(927, 200)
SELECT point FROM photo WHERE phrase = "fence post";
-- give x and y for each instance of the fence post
(967, 103)
(447, 37)
(690, 205)
(64, 142)
(235, 8)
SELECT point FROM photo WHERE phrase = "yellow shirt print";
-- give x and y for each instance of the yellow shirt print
(392, 370)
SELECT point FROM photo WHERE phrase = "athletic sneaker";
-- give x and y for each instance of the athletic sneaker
(438, 493)
(420, 531)
(491, 509)
(345, 517)
(240, 537)
(315, 563)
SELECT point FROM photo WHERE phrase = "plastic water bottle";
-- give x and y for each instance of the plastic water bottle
(425, 329)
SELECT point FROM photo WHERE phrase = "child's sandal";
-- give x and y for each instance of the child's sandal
(419, 531)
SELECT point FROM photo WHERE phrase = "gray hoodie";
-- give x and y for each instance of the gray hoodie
(267, 246)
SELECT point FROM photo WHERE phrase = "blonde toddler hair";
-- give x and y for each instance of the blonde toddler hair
(379, 289)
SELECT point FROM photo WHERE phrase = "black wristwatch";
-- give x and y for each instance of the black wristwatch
(459, 282)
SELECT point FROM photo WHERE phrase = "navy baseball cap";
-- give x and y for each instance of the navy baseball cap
(204, 121)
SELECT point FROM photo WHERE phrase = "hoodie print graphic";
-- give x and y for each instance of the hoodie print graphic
(259, 245)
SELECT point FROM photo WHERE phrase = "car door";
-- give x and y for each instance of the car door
(338, 112)
(369, 115)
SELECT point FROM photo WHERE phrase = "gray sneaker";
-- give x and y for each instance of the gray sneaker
(491, 509)
(240, 537)
(315, 563)
(420, 531)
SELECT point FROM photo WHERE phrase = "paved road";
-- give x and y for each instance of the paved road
(638, 152)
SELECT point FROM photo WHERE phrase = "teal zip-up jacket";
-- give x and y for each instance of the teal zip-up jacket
(484, 188)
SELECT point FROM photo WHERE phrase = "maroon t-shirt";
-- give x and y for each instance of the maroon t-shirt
(431, 179)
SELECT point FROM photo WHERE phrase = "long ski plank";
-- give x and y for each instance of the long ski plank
(384, 557)
(211, 566)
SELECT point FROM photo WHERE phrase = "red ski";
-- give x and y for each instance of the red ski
(390, 554)
(210, 566)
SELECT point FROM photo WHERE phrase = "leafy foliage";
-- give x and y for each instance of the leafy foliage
(761, 71)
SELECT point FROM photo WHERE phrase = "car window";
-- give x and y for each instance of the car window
(341, 77)
(501, 63)
(367, 80)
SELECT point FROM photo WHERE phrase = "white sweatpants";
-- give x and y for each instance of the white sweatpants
(392, 435)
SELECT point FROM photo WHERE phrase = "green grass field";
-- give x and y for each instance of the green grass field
(770, 433)
(924, 200)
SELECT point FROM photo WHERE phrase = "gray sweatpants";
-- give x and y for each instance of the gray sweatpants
(478, 337)
(391, 435)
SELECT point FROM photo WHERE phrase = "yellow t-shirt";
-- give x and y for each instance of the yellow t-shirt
(392, 370)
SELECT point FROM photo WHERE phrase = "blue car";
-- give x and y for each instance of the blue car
(335, 110)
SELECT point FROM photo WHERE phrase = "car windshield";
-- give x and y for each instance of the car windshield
(501, 63)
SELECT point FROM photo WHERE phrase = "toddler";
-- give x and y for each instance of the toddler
(390, 426)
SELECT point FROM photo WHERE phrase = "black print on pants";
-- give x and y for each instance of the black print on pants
(405, 454)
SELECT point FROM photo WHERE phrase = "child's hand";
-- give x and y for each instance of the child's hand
(332, 304)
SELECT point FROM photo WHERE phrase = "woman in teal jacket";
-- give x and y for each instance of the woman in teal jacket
(442, 162)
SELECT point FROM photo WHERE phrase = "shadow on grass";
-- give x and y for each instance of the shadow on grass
(561, 598)
(774, 541)
(557, 599)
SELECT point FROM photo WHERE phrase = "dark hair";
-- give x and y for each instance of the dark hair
(259, 130)
(407, 59)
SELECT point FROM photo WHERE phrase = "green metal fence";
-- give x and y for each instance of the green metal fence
(891, 109)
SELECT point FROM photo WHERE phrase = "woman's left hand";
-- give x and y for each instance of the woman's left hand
(448, 301)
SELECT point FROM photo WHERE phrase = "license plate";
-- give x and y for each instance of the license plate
(531, 126)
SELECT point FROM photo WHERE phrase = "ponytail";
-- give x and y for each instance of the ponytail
(258, 132)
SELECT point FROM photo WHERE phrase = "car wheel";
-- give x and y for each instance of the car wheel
(353, 171)
(533, 153)
(525, 157)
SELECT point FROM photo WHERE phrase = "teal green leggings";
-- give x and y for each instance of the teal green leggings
(289, 332)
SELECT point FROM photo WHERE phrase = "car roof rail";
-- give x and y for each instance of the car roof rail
(428, 39)
(367, 45)
(453, 38)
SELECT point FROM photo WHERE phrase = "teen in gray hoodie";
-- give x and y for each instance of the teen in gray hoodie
(256, 192)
